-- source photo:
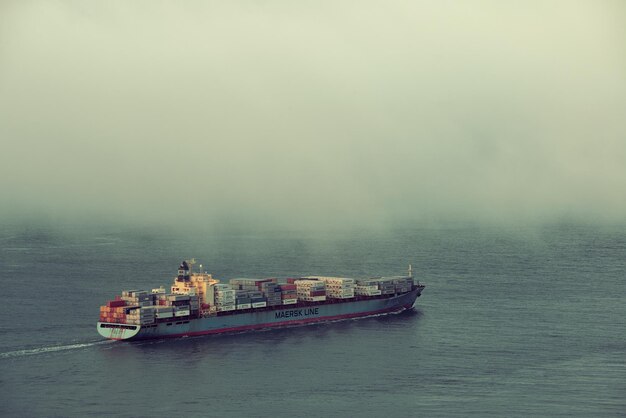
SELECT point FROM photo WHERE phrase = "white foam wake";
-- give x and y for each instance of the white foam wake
(43, 350)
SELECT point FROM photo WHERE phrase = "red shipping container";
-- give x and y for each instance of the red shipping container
(115, 303)
(317, 293)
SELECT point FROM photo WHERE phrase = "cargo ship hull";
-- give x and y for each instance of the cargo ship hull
(255, 319)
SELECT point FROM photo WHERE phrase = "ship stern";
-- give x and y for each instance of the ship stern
(114, 331)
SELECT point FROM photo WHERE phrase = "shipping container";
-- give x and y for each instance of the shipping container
(290, 301)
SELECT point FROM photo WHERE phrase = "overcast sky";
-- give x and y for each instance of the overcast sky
(313, 113)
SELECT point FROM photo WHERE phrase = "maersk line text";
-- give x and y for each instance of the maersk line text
(298, 312)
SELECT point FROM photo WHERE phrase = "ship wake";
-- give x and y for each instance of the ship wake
(51, 349)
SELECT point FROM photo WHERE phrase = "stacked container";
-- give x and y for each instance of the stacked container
(257, 300)
(367, 287)
(116, 303)
(288, 294)
(224, 297)
(402, 284)
(310, 290)
(386, 286)
(160, 299)
(194, 304)
(271, 291)
(249, 284)
(261, 292)
(164, 311)
(167, 299)
(178, 300)
(338, 287)
(181, 310)
(141, 315)
(113, 312)
(242, 299)
(137, 297)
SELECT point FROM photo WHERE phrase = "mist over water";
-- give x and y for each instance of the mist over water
(326, 115)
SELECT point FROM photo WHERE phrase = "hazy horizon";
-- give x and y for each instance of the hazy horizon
(321, 115)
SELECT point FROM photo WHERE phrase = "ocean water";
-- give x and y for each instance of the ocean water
(514, 322)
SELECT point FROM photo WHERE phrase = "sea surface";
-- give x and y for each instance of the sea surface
(514, 322)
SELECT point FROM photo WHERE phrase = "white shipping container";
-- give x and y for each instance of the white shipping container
(336, 280)
(226, 308)
(340, 286)
(164, 314)
(308, 283)
(244, 306)
(340, 290)
(225, 293)
(289, 301)
(225, 302)
(312, 298)
(341, 295)
(259, 304)
(141, 317)
(365, 288)
(181, 313)
(370, 282)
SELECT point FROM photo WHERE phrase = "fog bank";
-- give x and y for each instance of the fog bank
(313, 114)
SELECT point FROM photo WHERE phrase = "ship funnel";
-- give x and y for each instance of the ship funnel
(183, 271)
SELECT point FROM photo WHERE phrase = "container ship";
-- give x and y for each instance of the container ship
(198, 304)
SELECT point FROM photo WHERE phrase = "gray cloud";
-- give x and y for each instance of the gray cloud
(282, 113)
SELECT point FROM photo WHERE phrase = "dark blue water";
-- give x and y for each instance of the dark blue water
(513, 322)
